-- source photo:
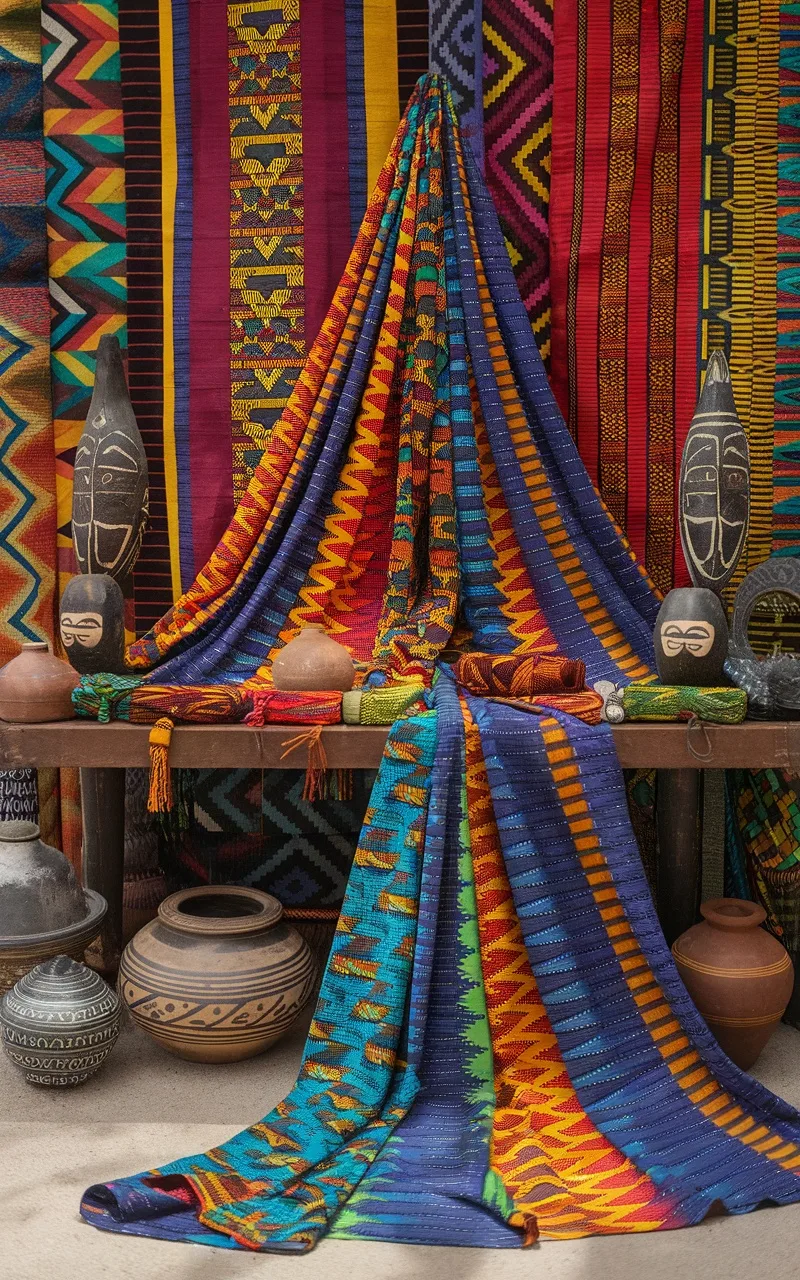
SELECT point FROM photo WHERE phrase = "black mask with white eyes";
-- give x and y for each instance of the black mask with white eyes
(110, 486)
(715, 483)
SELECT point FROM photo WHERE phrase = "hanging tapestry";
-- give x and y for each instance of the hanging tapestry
(502, 1048)
(787, 367)
(85, 219)
(27, 473)
(256, 828)
(624, 241)
(456, 51)
(517, 116)
(412, 48)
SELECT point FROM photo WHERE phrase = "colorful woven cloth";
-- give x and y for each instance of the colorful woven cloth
(671, 702)
(85, 218)
(212, 704)
(502, 1047)
(517, 114)
(276, 706)
(108, 697)
(379, 706)
(519, 675)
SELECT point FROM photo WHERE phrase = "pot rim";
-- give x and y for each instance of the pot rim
(733, 914)
(95, 914)
(268, 911)
(26, 830)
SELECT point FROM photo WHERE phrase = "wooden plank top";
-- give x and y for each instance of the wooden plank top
(80, 743)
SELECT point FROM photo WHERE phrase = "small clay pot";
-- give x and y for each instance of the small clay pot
(219, 976)
(739, 976)
(59, 1023)
(312, 662)
(36, 686)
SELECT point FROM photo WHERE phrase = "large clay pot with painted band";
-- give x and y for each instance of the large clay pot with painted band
(739, 976)
(218, 976)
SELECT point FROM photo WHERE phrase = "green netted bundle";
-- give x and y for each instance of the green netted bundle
(379, 706)
(104, 697)
(683, 702)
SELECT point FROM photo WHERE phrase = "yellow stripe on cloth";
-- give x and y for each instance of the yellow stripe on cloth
(381, 90)
(169, 183)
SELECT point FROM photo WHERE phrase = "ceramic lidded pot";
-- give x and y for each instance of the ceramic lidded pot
(739, 976)
(44, 910)
(313, 661)
(691, 638)
(59, 1022)
(36, 686)
(218, 976)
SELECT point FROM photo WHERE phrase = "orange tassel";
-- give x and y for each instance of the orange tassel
(315, 787)
(159, 799)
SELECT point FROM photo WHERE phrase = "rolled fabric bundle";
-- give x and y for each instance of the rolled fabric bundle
(683, 702)
(104, 697)
(194, 704)
(278, 706)
(379, 706)
(522, 675)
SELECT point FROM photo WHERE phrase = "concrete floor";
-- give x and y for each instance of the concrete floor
(146, 1108)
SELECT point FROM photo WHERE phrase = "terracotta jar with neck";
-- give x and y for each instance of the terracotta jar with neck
(739, 976)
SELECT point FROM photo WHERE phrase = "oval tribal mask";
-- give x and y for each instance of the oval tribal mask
(715, 482)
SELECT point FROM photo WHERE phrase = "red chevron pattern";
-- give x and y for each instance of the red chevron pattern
(517, 111)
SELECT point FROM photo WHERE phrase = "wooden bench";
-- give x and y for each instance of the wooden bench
(103, 752)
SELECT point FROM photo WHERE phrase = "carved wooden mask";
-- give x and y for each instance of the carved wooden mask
(110, 488)
(715, 482)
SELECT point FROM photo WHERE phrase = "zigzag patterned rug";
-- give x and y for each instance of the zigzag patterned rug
(502, 1049)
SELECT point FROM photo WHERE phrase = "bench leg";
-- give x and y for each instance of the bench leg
(103, 805)
(678, 823)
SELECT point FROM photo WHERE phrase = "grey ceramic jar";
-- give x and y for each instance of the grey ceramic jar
(59, 1022)
(44, 912)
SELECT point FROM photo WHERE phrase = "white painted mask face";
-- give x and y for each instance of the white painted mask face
(83, 629)
(684, 635)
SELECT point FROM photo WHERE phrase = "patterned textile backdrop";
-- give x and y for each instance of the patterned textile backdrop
(85, 219)
(27, 468)
(517, 117)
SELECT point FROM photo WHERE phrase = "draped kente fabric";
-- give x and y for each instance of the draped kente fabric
(502, 1048)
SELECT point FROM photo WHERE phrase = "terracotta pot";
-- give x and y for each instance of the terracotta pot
(59, 1023)
(313, 661)
(218, 976)
(739, 976)
(45, 912)
(35, 686)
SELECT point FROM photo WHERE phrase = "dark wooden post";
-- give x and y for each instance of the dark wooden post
(678, 824)
(103, 802)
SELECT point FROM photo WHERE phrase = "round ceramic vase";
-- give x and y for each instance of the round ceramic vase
(59, 1023)
(218, 976)
(313, 662)
(36, 687)
(738, 975)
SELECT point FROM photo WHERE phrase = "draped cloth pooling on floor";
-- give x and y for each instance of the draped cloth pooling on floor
(502, 1048)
